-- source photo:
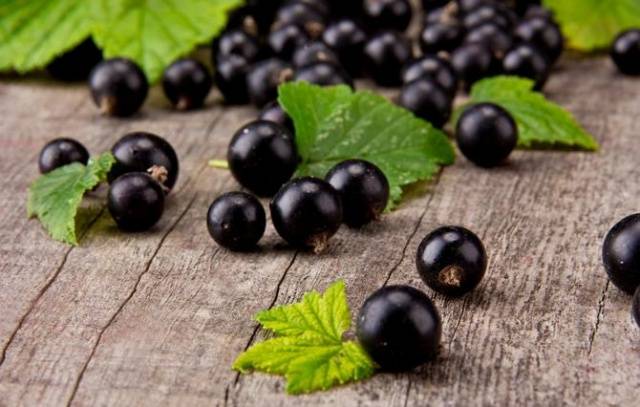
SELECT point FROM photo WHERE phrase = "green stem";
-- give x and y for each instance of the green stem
(222, 164)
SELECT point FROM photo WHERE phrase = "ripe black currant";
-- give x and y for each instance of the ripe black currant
(427, 100)
(273, 112)
(264, 78)
(487, 13)
(621, 254)
(118, 87)
(304, 15)
(60, 152)
(347, 39)
(490, 34)
(321, 6)
(77, 63)
(635, 307)
(399, 327)
(324, 74)
(387, 14)
(363, 188)
(286, 39)
(136, 201)
(543, 34)
(262, 156)
(186, 84)
(486, 134)
(307, 212)
(625, 52)
(467, 6)
(472, 62)
(434, 68)
(385, 55)
(429, 5)
(441, 36)
(236, 220)
(255, 18)
(139, 152)
(231, 79)
(451, 260)
(526, 61)
(236, 42)
(312, 53)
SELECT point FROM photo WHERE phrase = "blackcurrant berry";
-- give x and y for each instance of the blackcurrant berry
(387, 14)
(473, 62)
(118, 87)
(139, 152)
(314, 52)
(625, 52)
(324, 74)
(363, 188)
(303, 15)
(535, 11)
(467, 6)
(255, 18)
(488, 13)
(438, 37)
(490, 34)
(307, 212)
(286, 39)
(434, 68)
(399, 327)
(236, 220)
(486, 134)
(136, 201)
(231, 79)
(385, 55)
(635, 307)
(77, 63)
(525, 60)
(347, 39)
(522, 6)
(273, 112)
(264, 78)
(60, 152)
(429, 5)
(543, 34)
(262, 156)
(236, 42)
(427, 100)
(621, 254)
(451, 260)
(321, 6)
(186, 84)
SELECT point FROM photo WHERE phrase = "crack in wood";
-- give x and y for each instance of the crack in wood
(598, 316)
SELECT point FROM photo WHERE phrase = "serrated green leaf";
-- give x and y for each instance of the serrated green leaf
(309, 352)
(593, 24)
(335, 124)
(541, 123)
(33, 32)
(55, 197)
(156, 32)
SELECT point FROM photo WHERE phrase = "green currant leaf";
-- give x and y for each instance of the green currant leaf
(336, 124)
(541, 123)
(309, 350)
(55, 197)
(593, 24)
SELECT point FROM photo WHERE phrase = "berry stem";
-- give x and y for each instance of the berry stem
(221, 164)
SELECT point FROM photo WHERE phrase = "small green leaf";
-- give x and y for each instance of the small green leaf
(55, 197)
(335, 124)
(309, 350)
(593, 24)
(541, 123)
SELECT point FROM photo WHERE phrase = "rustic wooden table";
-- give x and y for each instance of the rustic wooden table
(157, 318)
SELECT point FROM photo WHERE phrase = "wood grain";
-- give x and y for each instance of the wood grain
(157, 318)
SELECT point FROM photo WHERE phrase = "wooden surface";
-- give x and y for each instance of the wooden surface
(157, 318)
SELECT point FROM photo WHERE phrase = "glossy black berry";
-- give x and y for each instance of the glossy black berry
(307, 212)
(118, 87)
(139, 152)
(186, 83)
(237, 42)
(486, 134)
(493, 36)
(262, 156)
(434, 68)
(625, 52)
(273, 112)
(77, 63)
(621, 254)
(427, 100)
(635, 307)
(321, 6)
(387, 14)
(236, 220)
(135, 201)
(347, 39)
(385, 55)
(286, 39)
(306, 16)
(472, 62)
(399, 327)
(231, 79)
(264, 78)
(255, 17)
(363, 188)
(439, 36)
(543, 34)
(429, 5)
(467, 6)
(313, 52)
(323, 74)
(60, 152)
(525, 60)
(451, 260)
(488, 13)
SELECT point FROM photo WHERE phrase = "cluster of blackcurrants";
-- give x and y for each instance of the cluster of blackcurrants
(145, 171)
